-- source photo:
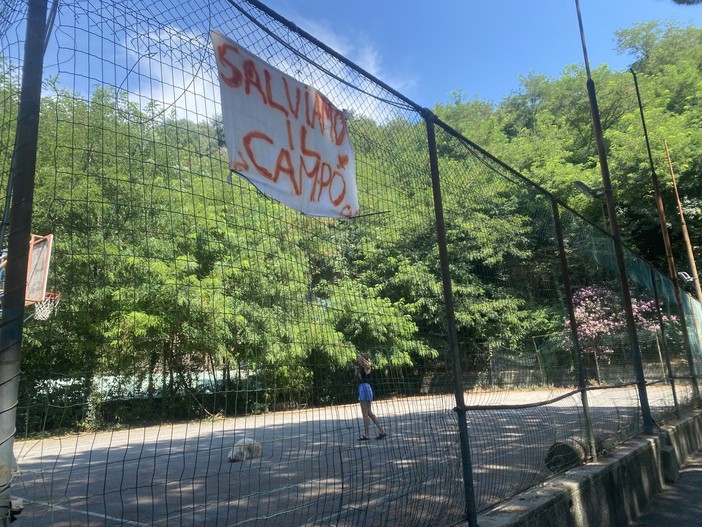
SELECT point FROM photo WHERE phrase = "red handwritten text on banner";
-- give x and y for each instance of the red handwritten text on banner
(283, 136)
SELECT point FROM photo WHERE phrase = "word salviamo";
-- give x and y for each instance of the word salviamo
(283, 136)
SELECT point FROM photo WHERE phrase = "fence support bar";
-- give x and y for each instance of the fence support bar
(666, 349)
(471, 509)
(582, 381)
(617, 239)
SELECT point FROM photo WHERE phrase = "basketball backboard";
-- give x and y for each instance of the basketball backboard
(37, 267)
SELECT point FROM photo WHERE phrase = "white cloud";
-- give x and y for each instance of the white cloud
(359, 50)
(174, 69)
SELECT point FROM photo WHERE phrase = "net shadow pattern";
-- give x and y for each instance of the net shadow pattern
(197, 312)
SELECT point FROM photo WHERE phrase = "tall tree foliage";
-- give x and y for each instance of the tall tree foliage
(169, 271)
(545, 132)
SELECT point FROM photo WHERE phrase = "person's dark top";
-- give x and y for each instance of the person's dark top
(363, 376)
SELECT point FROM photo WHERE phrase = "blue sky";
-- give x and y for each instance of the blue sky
(426, 50)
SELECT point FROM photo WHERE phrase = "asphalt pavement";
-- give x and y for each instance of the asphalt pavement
(678, 504)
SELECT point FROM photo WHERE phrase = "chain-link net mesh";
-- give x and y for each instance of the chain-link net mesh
(196, 312)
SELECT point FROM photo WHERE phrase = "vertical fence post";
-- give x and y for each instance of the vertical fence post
(582, 381)
(22, 172)
(693, 267)
(666, 350)
(621, 266)
(471, 509)
(666, 240)
(691, 366)
(616, 238)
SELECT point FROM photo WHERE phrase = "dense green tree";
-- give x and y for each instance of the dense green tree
(170, 266)
(545, 132)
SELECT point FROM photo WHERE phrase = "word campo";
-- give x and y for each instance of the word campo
(305, 112)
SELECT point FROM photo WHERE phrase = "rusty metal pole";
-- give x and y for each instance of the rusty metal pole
(656, 188)
(668, 249)
(686, 235)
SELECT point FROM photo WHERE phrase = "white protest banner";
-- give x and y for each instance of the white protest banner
(283, 136)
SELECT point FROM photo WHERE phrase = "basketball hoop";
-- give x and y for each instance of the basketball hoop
(44, 308)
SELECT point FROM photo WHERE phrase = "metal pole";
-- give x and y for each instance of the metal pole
(661, 324)
(23, 170)
(666, 242)
(582, 381)
(678, 296)
(616, 237)
(686, 235)
(656, 188)
(10, 180)
(471, 509)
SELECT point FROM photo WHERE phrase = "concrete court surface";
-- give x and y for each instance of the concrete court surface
(178, 474)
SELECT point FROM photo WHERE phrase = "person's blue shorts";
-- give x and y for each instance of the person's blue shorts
(365, 392)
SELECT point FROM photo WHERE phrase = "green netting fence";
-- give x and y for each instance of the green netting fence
(196, 312)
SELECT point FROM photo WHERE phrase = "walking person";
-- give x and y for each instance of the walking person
(365, 397)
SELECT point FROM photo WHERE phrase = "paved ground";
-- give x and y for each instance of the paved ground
(678, 505)
(314, 471)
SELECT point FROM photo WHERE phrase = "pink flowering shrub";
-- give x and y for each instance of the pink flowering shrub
(601, 321)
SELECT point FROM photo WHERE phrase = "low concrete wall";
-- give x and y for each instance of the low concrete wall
(609, 493)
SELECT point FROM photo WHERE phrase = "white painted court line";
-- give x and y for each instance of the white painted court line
(78, 511)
